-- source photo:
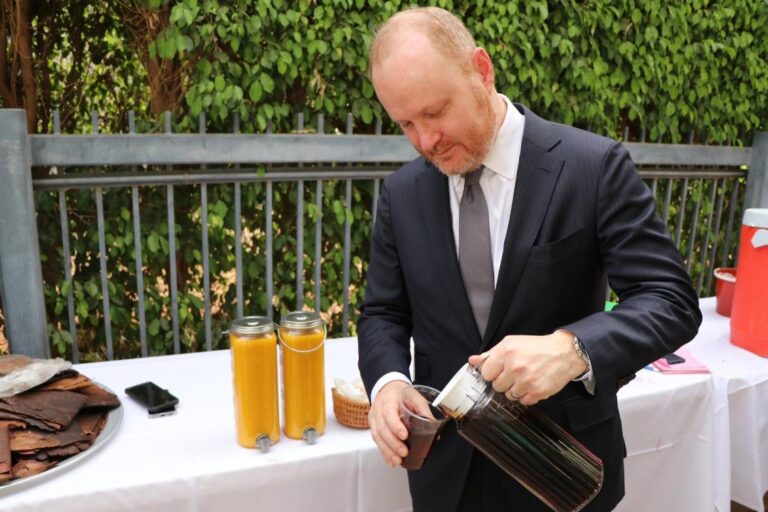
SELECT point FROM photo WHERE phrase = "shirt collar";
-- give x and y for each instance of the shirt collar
(501, 158)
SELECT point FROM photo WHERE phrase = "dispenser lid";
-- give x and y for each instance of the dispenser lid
(756, 217)
(301, 320)
(252, 325)
(462, 392)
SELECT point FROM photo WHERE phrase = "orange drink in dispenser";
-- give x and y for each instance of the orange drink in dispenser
(302, 336)
(253, 345)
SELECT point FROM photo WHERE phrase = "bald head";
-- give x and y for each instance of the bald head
(433, 80)
(403, 32)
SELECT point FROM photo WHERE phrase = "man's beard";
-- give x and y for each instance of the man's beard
(477, 142)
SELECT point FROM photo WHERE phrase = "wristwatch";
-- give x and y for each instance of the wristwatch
(581, 352)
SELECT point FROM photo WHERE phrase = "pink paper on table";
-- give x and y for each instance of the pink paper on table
(691, 364)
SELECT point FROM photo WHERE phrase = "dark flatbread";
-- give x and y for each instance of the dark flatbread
(71, 380)
(98, 397)
(92, 422)
(25, 466)
(55, 408)
(56, 420)
(68, 451)
(10, 417)
(13, 424)
(6, 463)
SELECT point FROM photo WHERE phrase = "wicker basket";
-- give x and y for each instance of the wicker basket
(350, 413)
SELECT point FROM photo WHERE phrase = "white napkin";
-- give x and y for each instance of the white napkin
(354, 390)
(27, 377)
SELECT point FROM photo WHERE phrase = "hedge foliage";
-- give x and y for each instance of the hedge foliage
(674, 67)
(615, 67)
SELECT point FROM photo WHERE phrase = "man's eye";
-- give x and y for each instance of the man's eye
(433, 115)
(405, 125)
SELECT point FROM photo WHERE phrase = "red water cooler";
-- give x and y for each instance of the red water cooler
(749, 314)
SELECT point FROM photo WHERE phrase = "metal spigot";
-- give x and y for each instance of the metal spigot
(310, 435)
(263, 443)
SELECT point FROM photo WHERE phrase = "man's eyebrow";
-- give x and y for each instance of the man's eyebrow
(429, 109)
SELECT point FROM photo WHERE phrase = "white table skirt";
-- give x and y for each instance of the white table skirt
(743, 377)
(190, 462)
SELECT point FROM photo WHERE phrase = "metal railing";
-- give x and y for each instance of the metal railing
(700, 192)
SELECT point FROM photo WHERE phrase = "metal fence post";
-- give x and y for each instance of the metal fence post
(757, 177)
(21, 280)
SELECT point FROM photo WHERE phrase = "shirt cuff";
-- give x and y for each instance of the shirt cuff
(386, 379)
(588, 379)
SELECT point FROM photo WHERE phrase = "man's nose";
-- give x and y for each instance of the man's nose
(428, 138)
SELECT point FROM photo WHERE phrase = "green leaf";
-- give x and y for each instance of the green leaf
(205, 67)
(154, 327)
(254, 91)
(152, 243)
(166, 47)
(267, 83)
(91, 288)
(197, 302)
(66, 336)
(185, 43)
(366, 114)
(196, 107)
(82, 310)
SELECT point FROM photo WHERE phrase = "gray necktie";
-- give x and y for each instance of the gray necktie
(475, 257)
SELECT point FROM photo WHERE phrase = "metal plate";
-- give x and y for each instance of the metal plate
(114, 417)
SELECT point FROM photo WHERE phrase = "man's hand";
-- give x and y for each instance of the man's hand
(386, 428)
(531, 368)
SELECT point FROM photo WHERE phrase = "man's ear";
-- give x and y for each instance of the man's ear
(482, 64)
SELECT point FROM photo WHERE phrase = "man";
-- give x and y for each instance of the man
(495, 246)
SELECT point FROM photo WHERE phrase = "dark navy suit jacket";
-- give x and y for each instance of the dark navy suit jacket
(580, 215)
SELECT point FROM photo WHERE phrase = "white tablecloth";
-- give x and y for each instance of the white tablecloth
(743, 377)
(190, 462)
(669, 428)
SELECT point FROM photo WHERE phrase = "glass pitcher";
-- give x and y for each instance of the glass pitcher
(253, 346)
(302, 336)
(529, 446)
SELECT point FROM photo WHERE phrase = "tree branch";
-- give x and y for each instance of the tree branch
(5, 90)
(24, 50)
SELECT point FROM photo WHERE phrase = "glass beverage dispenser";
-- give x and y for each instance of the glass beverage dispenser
(302, 336)
(253, 345)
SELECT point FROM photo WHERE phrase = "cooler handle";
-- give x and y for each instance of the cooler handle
(760, 238)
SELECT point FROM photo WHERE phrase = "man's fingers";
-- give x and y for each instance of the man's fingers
(491, 368)
(478, 359)
(387, 430)
(389, 445)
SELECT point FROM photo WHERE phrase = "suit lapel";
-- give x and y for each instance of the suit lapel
(537, 175)
(432, 189)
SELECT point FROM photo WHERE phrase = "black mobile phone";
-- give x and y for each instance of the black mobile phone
(674, 359)
(158, 401)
